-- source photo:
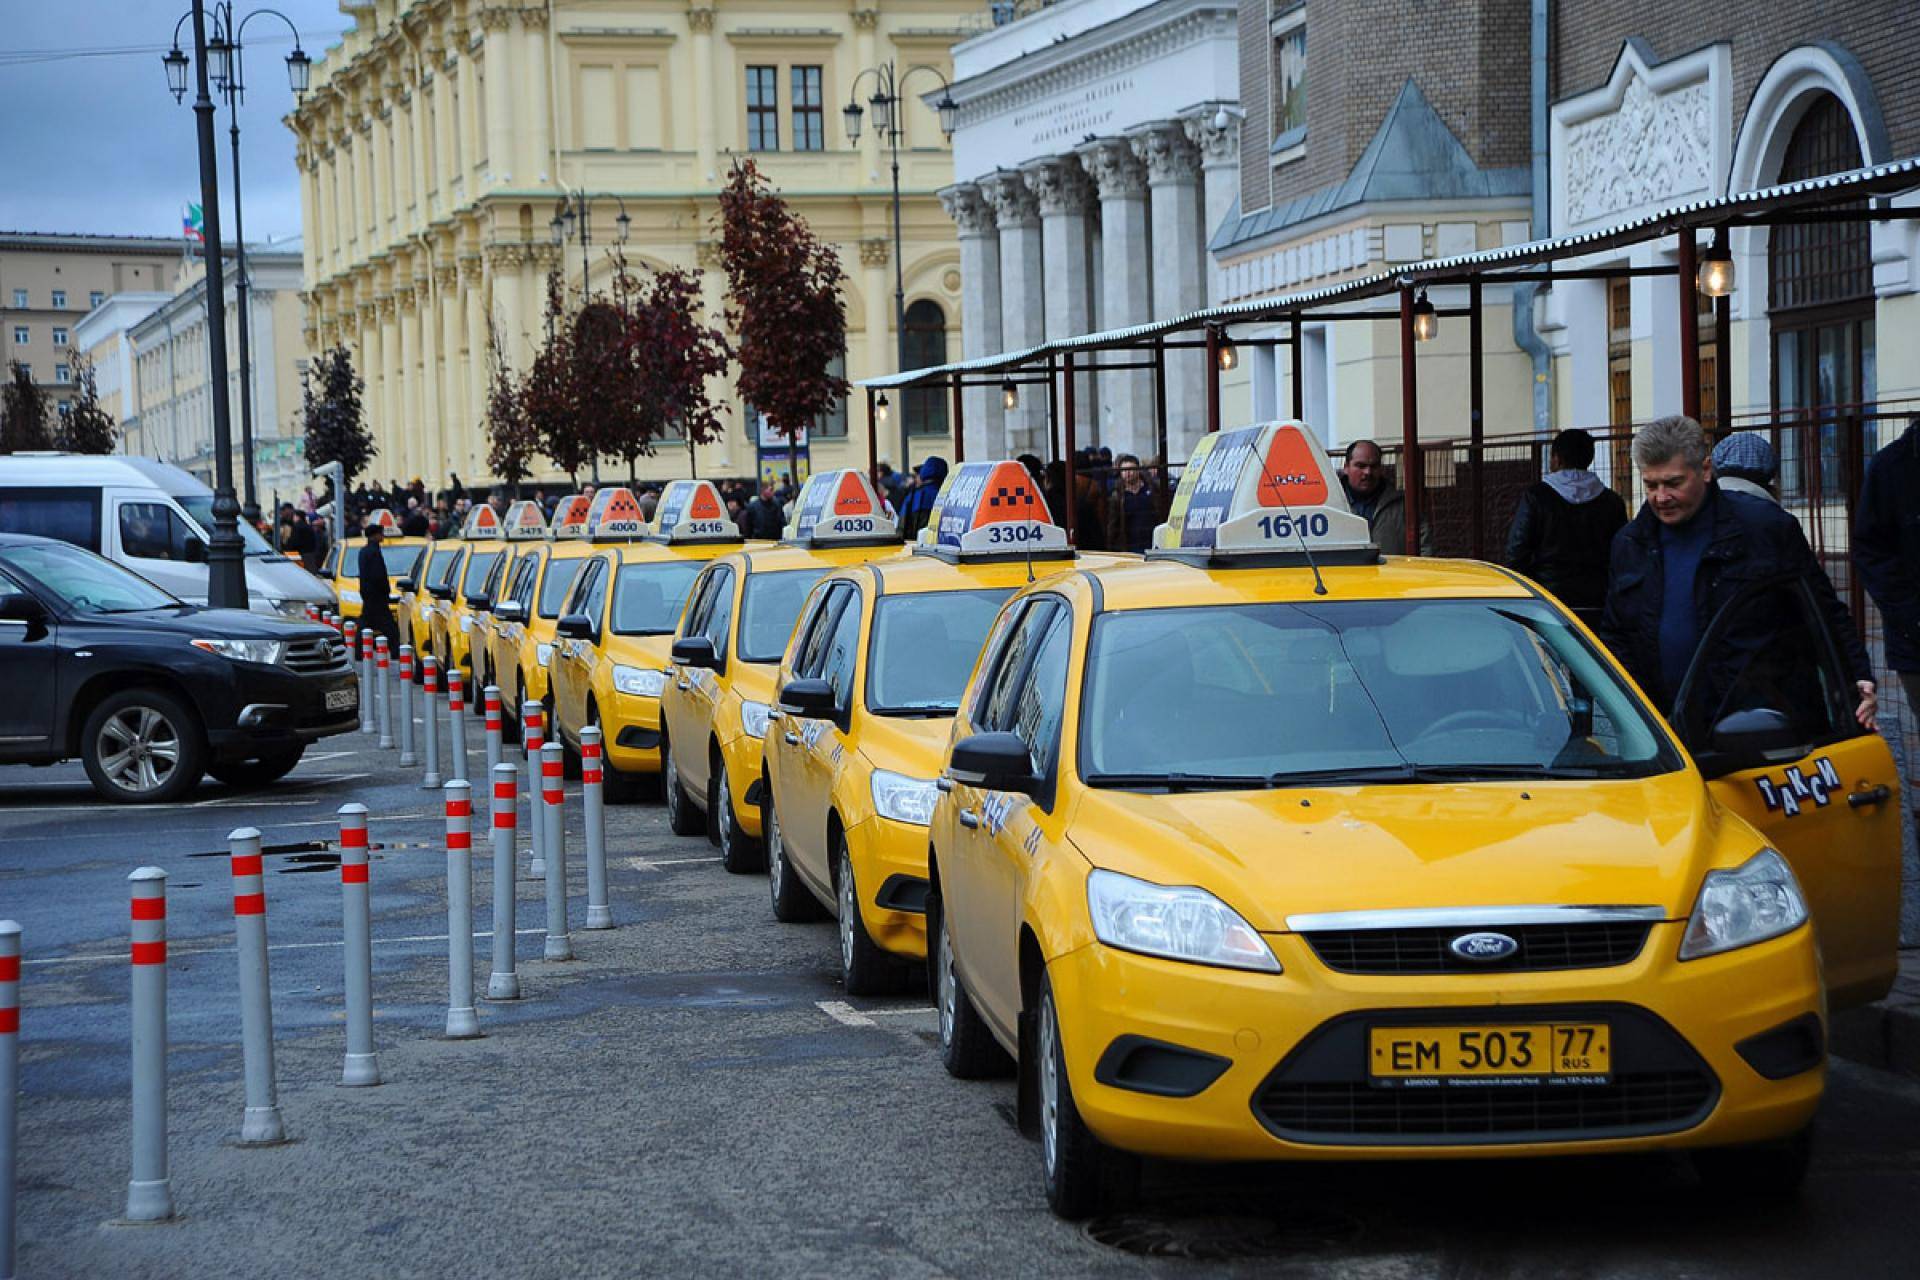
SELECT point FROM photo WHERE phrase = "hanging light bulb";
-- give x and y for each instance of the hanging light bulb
(1426, 321)
(880, 408)
(1009, 394)
(1716, 270)
(1227, 354)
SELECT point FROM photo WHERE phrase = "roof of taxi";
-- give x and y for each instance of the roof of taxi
(912, 573)
(1159, 584)
(777, 557)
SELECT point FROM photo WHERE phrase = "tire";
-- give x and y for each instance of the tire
(1771, 1173)
(143, 746)
(792, 902)
(865, 969)
(682, 816)
(1082, 1174)
(740, 853)
(257, 773)
(967, 1048)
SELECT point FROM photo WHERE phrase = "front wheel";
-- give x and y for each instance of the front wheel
(740, 853)
(1083, 1175)
(681, 815)
(792, 903)
(865, 969)
(142, 746)
(967, 1048)
(257, 773)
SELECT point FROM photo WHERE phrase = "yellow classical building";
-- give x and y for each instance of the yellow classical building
(441, 136)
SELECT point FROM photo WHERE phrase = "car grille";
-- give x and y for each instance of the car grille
(1426, 950)
(316, 657)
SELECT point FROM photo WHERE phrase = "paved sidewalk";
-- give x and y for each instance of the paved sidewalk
(1886, 1034)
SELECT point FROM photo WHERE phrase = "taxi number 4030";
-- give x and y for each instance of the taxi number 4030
(1546, 1053)
(1311, 524)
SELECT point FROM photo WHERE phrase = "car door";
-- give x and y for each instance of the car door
(572, 664)
(836, 635)
(153, 540)
(681, 705)
(1827, 795)
(29, 677)
(785, 740)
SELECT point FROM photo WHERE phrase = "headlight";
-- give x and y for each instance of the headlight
(1178, 923)
(466, 623)
(290, 608)
(1755, 901)
(349, 597)
(543, 654)
(897, 796)
(639, 681)
(753, 718)
(261, 651)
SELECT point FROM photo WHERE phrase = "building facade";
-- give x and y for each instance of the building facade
(49, 283)
(1095, 151)
(441, 134)
(105, 335)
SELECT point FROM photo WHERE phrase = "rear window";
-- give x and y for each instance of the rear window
(71, 515)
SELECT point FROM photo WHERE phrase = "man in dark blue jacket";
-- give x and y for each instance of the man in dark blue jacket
(1691, 550)
(1886, 547)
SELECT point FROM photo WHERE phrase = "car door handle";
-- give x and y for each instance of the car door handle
(1873, 795)
(775, 713)
(970, 819)
(944, 783)
(682, 685)
(793, 739)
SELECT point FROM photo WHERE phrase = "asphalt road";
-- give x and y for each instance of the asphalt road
(695, 1095)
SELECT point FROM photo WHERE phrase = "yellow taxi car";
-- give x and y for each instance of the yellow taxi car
(616, 628)
(421, 600)
(1271, 848)
(341, 569)
(727, 652)
(451, 620)
(520, 650)
(867, 692)
(497, 612)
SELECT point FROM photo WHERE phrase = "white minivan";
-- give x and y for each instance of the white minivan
(149, 516)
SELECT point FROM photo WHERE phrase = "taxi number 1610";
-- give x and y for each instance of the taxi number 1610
(1311, 524)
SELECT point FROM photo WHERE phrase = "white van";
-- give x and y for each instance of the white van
(149, 516)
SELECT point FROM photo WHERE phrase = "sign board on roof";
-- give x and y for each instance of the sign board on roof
(570, 517)
(692, 511)
(388, 522)
(992, 508)
(615, 514)
(1269, 488)
(838, 506)
(481, 522)
(524, 521)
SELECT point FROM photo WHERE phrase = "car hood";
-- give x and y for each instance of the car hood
(1275, 854)
(916, 747)
(281, 579)
(753, 681)
(229, 624)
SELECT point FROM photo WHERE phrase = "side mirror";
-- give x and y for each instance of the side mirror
(479, 600)
(195, 551)
(405, 584)
(18, 606)
(510, 611)
(696, 651)
(442, 592)
(1749, 739)
(809, 699)
(575, 626)
(994, 762)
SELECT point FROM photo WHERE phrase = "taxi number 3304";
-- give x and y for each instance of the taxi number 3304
(1312, 524)
(1013, 533)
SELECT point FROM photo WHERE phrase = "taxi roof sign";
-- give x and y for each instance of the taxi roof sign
(693, 511)
(840, 506)
(388, 522)
(992, 509)
(481, 522)
(570, 517)
(525, 522)
(1263, 490)
(615, 514)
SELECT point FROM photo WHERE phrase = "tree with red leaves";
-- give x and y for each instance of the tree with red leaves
(511, 439)
(673, 357)
(549, 396)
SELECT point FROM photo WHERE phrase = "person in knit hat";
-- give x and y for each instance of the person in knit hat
(1745, 462)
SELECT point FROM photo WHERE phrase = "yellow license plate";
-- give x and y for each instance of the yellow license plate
(1509, 1053)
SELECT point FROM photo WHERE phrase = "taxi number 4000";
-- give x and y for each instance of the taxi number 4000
(1557, 1053)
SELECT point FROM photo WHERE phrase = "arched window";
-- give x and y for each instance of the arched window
(926, 344)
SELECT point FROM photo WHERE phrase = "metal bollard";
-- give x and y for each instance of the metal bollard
(382, 666)
(496, 739)
(407, 756)
(504, 983)
(593, 804)
(430, 718)
(553, 790)
(313, 612)
(150, 1192)
(9, 1086)
(462, 1022)
(532, 726)
(456, 725)
(261, 1123)
(363, 1065)
(369, 719)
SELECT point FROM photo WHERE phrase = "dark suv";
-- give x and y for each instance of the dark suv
(149, 692)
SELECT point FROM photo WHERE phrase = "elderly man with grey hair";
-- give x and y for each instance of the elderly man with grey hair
(1694, 549)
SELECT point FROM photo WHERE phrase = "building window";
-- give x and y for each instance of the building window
(19, 297)
(19, 335)
(62, 375)
(66, 408)
(59, 299)
(59, 337)
(1288, 74)
(763, 108)
(809, 123)
(95, 298)
(832, 425)
(926, 344)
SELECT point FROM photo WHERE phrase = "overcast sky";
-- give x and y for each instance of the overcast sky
(93, 142)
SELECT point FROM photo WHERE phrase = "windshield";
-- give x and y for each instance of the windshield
(924, 647)
(553, 589)
(771, 607)
(437, 567)
(200, 507)
(401, 561)
(648, 598)
(1284, 694)
(479, 565)
(84, 582)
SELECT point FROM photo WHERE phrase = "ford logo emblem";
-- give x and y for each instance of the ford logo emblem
(1483, 947)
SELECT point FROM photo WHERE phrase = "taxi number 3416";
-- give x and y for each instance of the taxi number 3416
(1563, 1053)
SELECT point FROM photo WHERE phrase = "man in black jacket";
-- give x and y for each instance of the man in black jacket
(376, 613)
(1690, 551)
(762, 517)
(1563, 530)
(1886, 547)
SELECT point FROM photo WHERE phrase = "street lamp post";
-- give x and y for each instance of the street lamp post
(885, 103)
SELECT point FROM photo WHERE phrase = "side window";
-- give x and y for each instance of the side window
(594, 604)
(813, 650)
(693, 620)
(718, 624)
(332, 565)
(583, 588)
(842, 651)
(529, 573)
(152, 531)
(1042, 698)
(996, 713)
(1768, 650)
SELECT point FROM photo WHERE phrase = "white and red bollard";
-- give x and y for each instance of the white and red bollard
(9, 1086)
(496, 736)
(456, 725)
(593, 807)
(463, 1023)
(356, 920)
(382, 665)
(407, 757)
(261, 1123)
(150, 1191)
(504, 982)
(430, 721)
(313, 612)
(553, 791)
(533, 733)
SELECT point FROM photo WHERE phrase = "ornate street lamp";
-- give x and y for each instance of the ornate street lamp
(1426, 321)
(1716, 268)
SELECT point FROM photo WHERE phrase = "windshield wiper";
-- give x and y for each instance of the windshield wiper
(1353, 774)
(1180, 781)
(918, 710)
(1498, 770)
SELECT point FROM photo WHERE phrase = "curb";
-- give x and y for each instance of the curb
(1880, 1035)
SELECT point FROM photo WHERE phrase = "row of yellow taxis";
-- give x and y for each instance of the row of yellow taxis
(1263, 845)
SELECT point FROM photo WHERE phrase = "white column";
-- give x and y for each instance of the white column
(498, 26)
(706, 104)
(1173, 178)
(392, 434)
(407, 376)
(1583, 308)
(473, 373)
(1022, 298)
(1127, 292)
(1219, 147)
(457, 428)
(1657, 298)
(986, 424)
(1061, 188)
(537, 112)
(425, 398)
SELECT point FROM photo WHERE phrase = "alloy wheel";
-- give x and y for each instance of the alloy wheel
(947, 991)
(776, 854)
(139, 748)
(1049, 1087)
(849, 910)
